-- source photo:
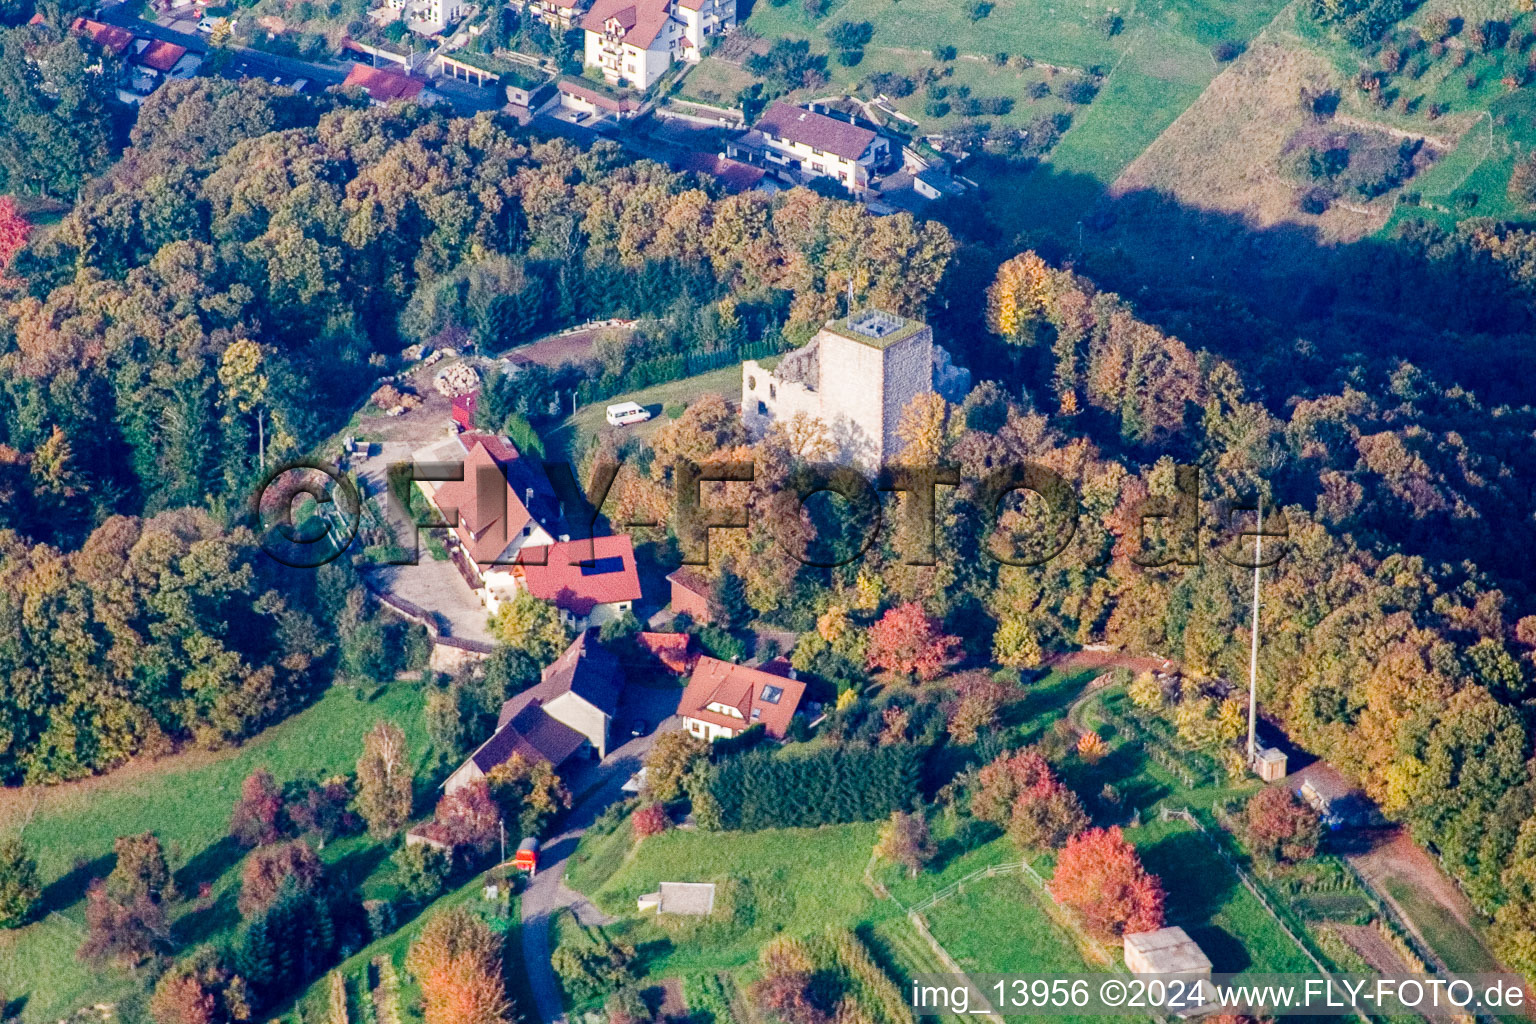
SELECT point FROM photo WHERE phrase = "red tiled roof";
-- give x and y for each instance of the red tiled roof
(642, 20)
(486, 532)
(383, 85)
(733, 174)
(818, 131)
(673, 650)
(108, 37)
(745, 689)
(579, 575)
(161, 55)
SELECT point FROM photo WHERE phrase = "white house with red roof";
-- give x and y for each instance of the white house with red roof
(634, 42)
(501, 510)
(590, 581)
(507, 533)
(723, 699)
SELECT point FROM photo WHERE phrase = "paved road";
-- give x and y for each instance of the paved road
(547, 894)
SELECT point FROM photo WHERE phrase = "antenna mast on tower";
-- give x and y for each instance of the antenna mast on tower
(1253, 647)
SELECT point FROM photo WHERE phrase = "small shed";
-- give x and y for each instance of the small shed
(695, 898)
(691, 593)
(1270, 764)
(527, 857)
(1165, 951)
(464, 409)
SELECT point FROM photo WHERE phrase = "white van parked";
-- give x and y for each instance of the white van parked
(626, 413)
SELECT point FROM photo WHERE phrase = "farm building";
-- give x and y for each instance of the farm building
(569, 710)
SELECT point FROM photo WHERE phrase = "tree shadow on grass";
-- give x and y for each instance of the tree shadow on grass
(203, 922)
(349, 871)
(69, 888)
(1198, 883)
(1228, 955)
(209, 864)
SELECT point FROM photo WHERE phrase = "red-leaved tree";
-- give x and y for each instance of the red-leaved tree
(1002, 779)
(1099, 875)
(905, 640)
(14, 230)
(258, 816)
(650, 820)
(1279, 827)
(469, 818)
(268, 867)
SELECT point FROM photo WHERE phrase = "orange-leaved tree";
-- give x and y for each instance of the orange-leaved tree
(905, 640)
(1099, 875)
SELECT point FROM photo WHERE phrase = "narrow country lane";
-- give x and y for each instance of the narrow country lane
(602, 786)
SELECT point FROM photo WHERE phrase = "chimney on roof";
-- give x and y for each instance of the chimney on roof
(528, 496)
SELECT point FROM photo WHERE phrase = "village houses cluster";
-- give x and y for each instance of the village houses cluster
(510, 535)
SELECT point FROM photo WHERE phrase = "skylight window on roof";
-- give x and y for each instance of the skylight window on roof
(757, 713)
(771, 693)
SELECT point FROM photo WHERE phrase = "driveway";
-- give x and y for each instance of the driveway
(601, 785)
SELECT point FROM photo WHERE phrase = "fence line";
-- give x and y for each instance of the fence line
(1185, 814)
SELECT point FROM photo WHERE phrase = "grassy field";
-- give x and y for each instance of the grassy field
(796, 881)
(186, 801)
(570, 438)
(1461, 948)
(1156, 62)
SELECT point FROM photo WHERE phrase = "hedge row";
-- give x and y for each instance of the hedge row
(758, 790)
(669, 368)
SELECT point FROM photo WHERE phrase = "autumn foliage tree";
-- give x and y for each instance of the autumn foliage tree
(1099, 875)
(904, 840)
(1018, 296)
(529, 792)
(650, 820)
(469, 818)
(268, 867)
(905, 640)
(127, 915)
(1045, 815)
(200, 989)
(1279, 827)
(384, 780)
(258, 815)
(669, 761)
(1001, 781)
(457, 962)
(14, 229)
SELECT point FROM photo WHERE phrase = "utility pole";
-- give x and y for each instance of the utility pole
(502, 825)
(261, 439)
(1253, 647)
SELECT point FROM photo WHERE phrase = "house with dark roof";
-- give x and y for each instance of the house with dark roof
(813, 143)
(590, 581)
(634, 42)
(723, 699)
(734, 175)
(569, 711)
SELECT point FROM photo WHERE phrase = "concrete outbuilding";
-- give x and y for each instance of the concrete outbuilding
(1165, 951)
